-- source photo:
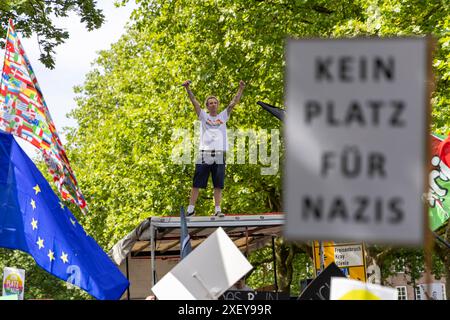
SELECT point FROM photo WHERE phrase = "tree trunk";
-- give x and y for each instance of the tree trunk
(377, 255)
(444, 254)
(446, 260)
(284, 256)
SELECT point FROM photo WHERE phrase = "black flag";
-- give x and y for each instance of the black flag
(277, 112)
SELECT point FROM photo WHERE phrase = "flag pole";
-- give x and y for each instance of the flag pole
(6, 52)
(441, 240)
(17, 62)
(428, 241)
(322, 256)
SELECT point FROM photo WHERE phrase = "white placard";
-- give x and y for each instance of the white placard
(13, 282)
(10, 297)
(206, 273)
(356, 130)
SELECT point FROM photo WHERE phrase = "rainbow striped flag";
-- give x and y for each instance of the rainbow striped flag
(24, 113)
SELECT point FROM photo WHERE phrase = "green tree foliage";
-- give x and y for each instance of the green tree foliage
(38, 283)
(414, 18)
(410, 263)
(132, 102)
(132, 106)
(36, 16)
(261, 277)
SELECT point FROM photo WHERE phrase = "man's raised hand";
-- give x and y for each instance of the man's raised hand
(186, 83)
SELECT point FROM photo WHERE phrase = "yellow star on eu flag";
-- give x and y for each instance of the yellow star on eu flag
(37, 189)
(33, 204)
(34, 224)
(40, 242)
(51, 255)
(64, 257)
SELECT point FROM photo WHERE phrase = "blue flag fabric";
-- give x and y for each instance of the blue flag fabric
(33, 220)
(185, 239)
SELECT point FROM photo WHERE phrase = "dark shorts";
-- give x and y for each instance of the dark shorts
(210, 162)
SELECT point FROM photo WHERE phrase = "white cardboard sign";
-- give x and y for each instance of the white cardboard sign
(13, 282)
(356, 130)
(206, 273)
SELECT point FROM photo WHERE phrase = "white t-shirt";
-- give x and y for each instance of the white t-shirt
(213, 131)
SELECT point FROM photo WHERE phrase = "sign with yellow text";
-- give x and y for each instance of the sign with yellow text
(349, 257)
(13, 282)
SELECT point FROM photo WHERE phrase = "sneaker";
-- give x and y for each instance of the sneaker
(219, 214)
(188, 214)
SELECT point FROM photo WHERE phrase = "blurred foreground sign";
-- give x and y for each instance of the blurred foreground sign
(356, 137)
(319, 288)
(347, 289)
(205, 273)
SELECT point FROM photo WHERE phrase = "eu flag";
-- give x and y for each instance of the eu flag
(185, 239)
(33, 220)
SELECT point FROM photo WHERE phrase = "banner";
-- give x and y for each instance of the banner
(438, 196)
(33, 220)
(24, 113)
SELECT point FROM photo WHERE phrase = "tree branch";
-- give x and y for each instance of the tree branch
(321, 9)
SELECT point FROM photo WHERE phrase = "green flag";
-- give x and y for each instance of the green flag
(438, 196)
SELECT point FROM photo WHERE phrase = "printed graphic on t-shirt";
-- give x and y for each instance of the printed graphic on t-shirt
(213, 131)
(213, 123)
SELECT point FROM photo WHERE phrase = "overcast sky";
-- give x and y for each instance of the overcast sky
(73, 59)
